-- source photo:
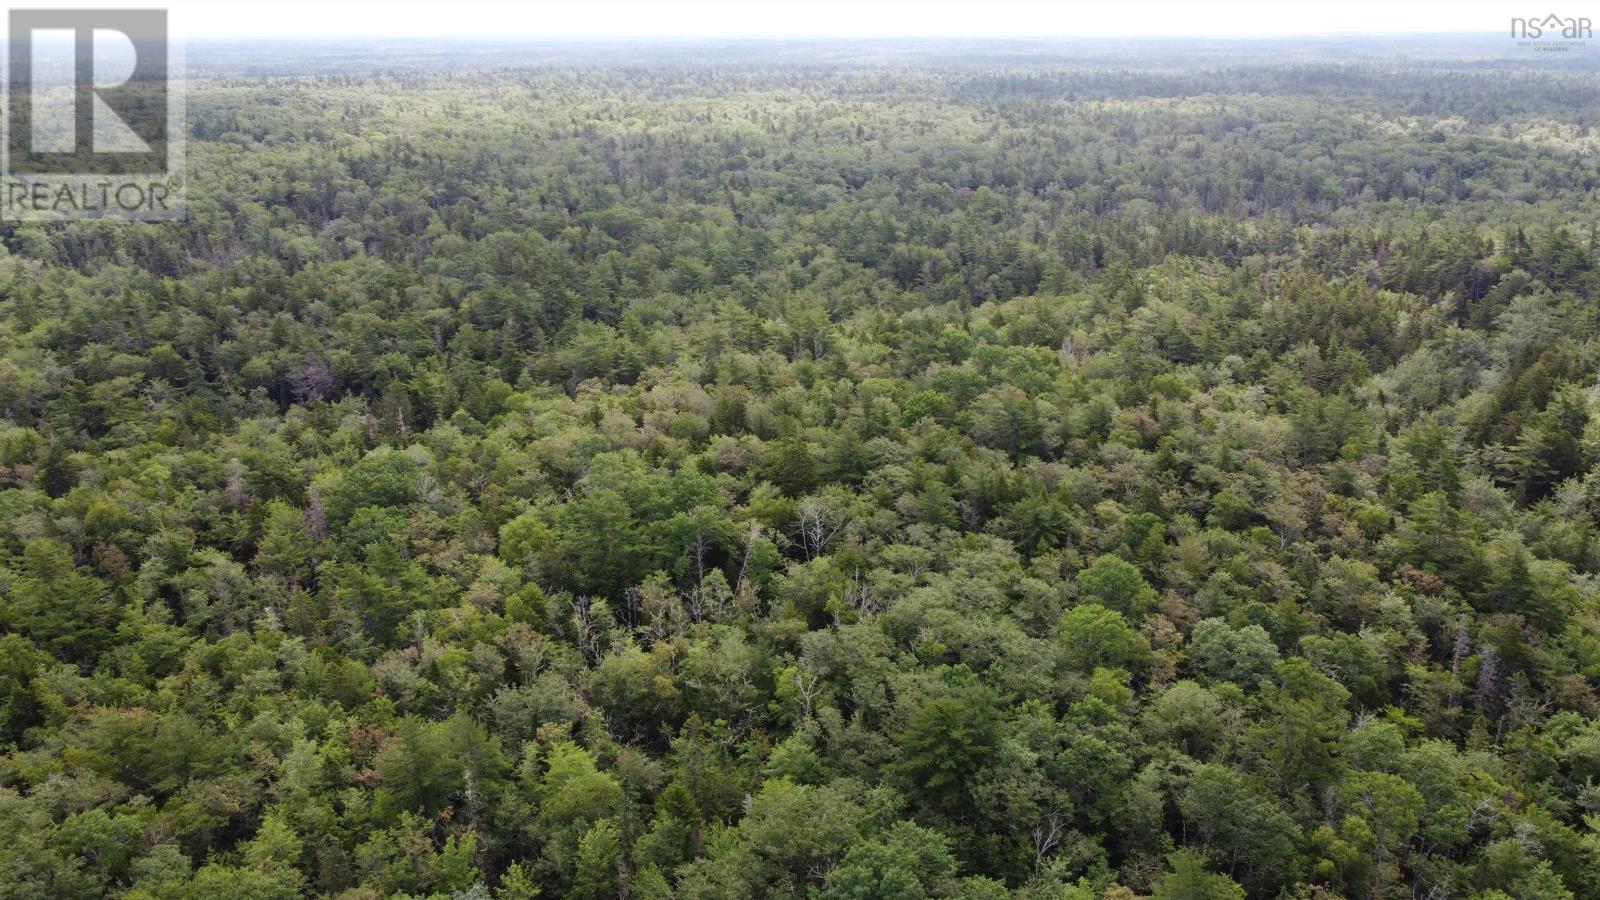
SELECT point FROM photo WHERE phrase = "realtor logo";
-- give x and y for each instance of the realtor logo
(94, 127)
(1553, 26)
(1552, 33)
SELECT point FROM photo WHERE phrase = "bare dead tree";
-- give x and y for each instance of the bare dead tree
(819, 523)
(317, 517)
(1463, 647)
(1046, 836)
(750, 538)
(807, 687)
(588, 634)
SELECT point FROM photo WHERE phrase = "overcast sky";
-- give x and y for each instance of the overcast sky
(837, 18)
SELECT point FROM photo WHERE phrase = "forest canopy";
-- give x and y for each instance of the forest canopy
(1009, 478)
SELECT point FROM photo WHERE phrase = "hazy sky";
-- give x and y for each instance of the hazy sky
(840, 18)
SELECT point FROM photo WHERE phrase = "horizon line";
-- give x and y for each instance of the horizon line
(831, 38)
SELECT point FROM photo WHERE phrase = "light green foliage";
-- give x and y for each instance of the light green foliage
(574, 790)
(905, 863)
(1093, 636)
(1115, 584)
(1242, 656)
(1189, 880)
(597, 863)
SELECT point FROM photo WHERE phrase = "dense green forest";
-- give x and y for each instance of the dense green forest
(833, 480)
